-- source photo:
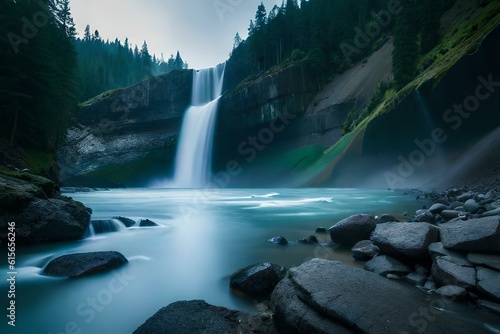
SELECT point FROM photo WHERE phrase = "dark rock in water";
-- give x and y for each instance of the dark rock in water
(438, 207)
(107, 225)
(416, 278)
(310, 240)
(447, 270)
(198, 317)
(492, 261)
(471, 206)
(385, 265)
(257, 280)
(355, 301)
(386, 218)
(126, 221)
(453, 292)
(405, 241)
(364, 250)
(147, 223)
(488, 283)
(321, 230)
(424, 216)
(449, 214)
(353, 229)
(474, 235)
(278, 240)
(81, 264)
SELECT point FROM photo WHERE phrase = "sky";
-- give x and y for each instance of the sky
(202, 30)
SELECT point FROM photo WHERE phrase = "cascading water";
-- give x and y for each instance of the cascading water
(194, 151)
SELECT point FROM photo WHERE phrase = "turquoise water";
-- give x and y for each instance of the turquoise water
(204, 236)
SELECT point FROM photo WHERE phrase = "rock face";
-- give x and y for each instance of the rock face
(82, 264)
(447, 270)
(323, 296)
(257, 280)
(40, 214)
(488, 282)
(198, 317)
(353, 229)
(405, 241)
(474, 235)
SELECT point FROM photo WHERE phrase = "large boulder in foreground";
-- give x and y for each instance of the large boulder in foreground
(198, 317)
(405, 241)
(357, 301)
(40, 215)
(480, 235)
(353, 229)
(82, 264)
(257, 280)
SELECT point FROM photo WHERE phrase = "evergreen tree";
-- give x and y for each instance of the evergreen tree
(260, 16)
(237, 41)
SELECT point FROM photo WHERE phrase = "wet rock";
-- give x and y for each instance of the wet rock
(385, 265)
(353, 229)
(447, 270)
(309, 240)
(82, 264)
(465, 196)
(356, 300)
(126, 221)
(147, 223)
(198, 317)
(279, 240)
(489, 306)
(488, 283)
(474, 235)
(455, 205)
(436, 249)
(424, 216)
(438, 207)
(405, 241)
(471, 206)
(430, 285)
(321, 230)
(449, 214)
(386, 218)
(494, 212)
(492, 261)
(257, 280)
(107, 225)
(416, 278)
(453, 292)
(364, 250)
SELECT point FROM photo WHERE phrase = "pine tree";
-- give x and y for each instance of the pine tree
(237, 41)
(260, 16)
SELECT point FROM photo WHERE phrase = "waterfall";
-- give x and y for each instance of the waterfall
(194, 151)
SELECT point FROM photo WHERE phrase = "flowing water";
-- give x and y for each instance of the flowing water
(203, 237)
(194, 152)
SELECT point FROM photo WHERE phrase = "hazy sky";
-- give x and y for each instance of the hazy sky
(202, 30)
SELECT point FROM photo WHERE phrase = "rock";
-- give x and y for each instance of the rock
(107, 225)
(436, 249)
(364, 250)
(471, 206)
(279, 240)
(430, 285)
(447, 270)
(147, 223)
(438, 207)
(38, 216)
(198, 317)
(424, 216)
(126, 221)
(488, 283)
(385, 265)
(492, 261)
(449, 214)
(353, 229)
(310, 240)
(416, 278)
(82, 264)
(494, 212)
(465, 196)
(455, 205)
(321, 230)
(405, 241)
(357, 301)
(257, 280)
(453, 292)
(489, 306)
(475, 235)
(386, 218)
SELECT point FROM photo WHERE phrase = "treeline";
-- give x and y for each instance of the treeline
(105, 65)
(38, 86)
(329, 35)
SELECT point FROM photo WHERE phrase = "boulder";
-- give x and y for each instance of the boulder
(438, 207)
(385, 265)
(405, 241)
(147, 223)
(310, 240)
(107, 225)
(257, 280)
(386, 218)
(474, 235)
(471, 206)
(353, 229)
(278, 240)
(82, 264)
(488, 283)
(424, 216)
(436, 249)
(453, 292)
(126, 221)
(449, 214)
(492, 261)
(198, 317)
(416, 278)
(447, 270)
(336, 298)
(321, 230)
(364, 250)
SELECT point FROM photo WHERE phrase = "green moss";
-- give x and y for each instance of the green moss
(101, 96)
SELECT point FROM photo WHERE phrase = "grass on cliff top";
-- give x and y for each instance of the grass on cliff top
(99, 97)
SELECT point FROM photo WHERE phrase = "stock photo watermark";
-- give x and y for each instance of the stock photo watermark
(11, 273)
(454, 117)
